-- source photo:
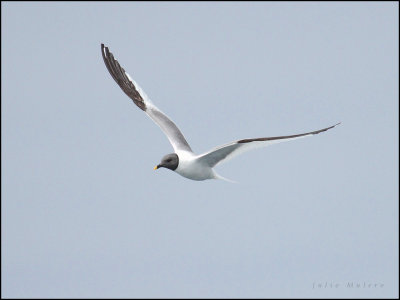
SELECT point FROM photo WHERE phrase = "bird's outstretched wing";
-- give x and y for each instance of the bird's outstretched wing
(228, 151)
(132, 89)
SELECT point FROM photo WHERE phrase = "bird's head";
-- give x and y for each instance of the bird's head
(169, 161)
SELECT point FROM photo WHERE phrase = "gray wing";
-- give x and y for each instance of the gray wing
(133, 91)
(228, 151)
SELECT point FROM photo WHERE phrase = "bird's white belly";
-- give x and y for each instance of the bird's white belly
(190, 168)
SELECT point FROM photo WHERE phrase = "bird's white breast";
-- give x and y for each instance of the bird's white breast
(190, 167)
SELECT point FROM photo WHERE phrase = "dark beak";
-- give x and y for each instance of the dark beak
(157, 167)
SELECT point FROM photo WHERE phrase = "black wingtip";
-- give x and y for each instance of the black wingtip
(103, 47)
(333, 126)
(325, 129)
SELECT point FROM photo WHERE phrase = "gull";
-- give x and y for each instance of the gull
(184, 161)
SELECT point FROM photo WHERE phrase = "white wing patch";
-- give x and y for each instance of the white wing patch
(226, 152)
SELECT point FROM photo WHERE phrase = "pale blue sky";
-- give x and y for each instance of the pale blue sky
(85, 215)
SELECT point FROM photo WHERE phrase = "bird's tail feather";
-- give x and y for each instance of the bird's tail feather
(217, 176)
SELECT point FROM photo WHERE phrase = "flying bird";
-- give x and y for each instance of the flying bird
(183, 161)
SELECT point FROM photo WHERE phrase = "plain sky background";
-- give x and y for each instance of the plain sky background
(85, 215)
